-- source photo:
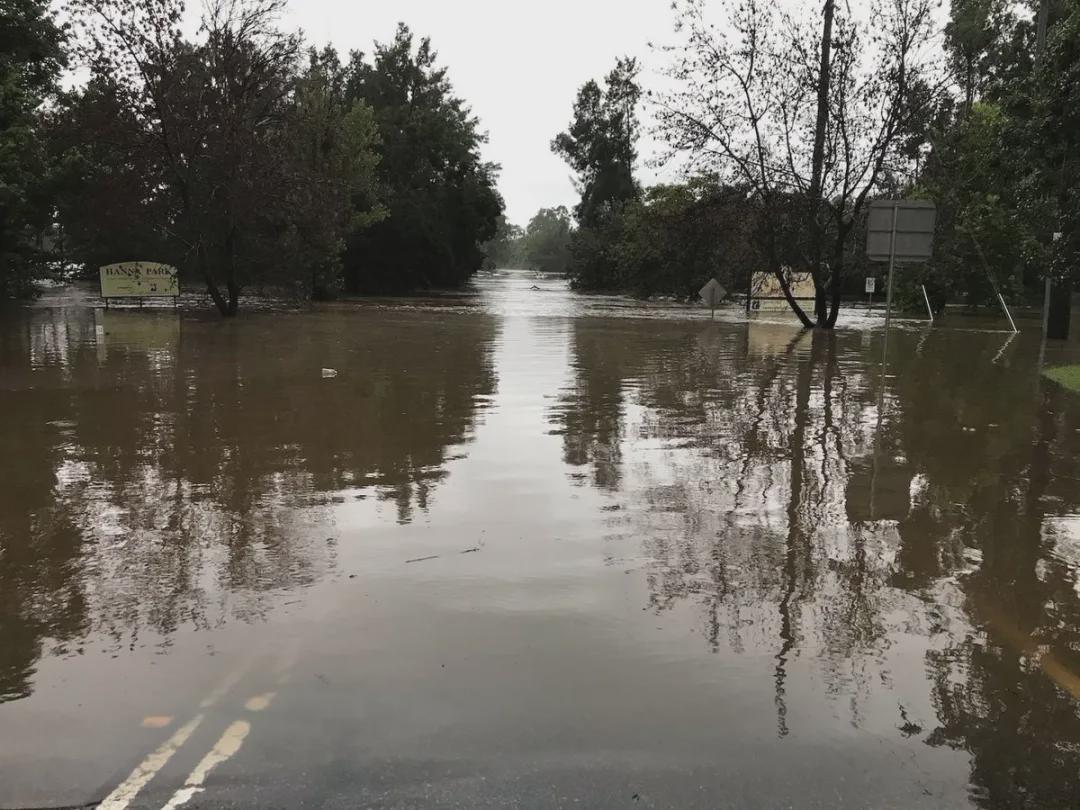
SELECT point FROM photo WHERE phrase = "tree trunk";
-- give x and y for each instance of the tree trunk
(211, 286)
(821, 302)
(836, 286)
(234, 298)
(818, 164)
(798, 310)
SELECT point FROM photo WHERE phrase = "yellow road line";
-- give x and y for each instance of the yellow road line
(228, 683)
(224, 749)
(148, 768)
(259, 702)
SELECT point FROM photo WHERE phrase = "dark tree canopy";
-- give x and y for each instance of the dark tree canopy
(600, 143)
(31, 57)
(440, 196)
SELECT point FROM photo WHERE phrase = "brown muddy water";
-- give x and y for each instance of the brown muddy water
(531, 549)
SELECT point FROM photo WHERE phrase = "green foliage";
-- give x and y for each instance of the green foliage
(1066, 376)
(670, 242)
(980, 242)
(504, 248)
(440, 196)
(330, 151)
(1047, 126)
(600, 143)
(1002, 165)
(248, 162)
(972, 37)
(31, 58)
(545, 245)
(681, 236)
(107, 190)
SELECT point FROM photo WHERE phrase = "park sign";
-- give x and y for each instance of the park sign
(139, 280)
(901, 230)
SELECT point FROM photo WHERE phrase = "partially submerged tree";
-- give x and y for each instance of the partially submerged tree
(211, 114)
(600, 143)
(811, 121)
(545, 245)
(439, 193)
(329, 152)
(504, 248)
(31, 58)
(679, 236)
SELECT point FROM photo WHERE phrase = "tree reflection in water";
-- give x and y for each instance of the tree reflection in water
(749, 464)
(174, 472)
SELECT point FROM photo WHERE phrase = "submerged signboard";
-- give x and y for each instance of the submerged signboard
(139, 280)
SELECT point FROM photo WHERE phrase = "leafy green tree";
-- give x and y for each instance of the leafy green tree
(330, 151)
(546, 243)
(797, 113)
(972, 38)
(504, 248)
(680, 236)
(31, 57)
(439, 194)
(981, 245)
(106, 187)
(211, 116)
(1047, 145)
(600, 143)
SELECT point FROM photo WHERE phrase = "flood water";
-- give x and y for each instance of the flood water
(530, 549)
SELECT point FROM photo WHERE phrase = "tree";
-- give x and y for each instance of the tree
(680, 236)
(1047, 118)
(31, 58)
(440, 195)
(975, 27)
(211, 114)
(981, 246)
(811, 125)
(545, 245)
(330, 152)
(600, 146)
(106, 187)
(504, 248)
(600, 143)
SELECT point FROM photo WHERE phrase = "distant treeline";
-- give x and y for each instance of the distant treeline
(789, 126)
(247, 159)
(239, 155)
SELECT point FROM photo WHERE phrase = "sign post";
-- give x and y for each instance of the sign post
(871, 288)
(899, 231)
(713, 294)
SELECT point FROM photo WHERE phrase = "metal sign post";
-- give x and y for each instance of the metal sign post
(899, 231)
(871, 288)
(929, 309)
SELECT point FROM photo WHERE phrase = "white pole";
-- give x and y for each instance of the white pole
(1008, 315)
(888, 294)
(926, 298)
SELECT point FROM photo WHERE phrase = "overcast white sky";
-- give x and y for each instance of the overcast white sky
(519, 65)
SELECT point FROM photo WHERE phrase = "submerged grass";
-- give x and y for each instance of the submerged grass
(1067, 376)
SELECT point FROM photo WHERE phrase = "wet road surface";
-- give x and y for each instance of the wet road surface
(529, 549)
